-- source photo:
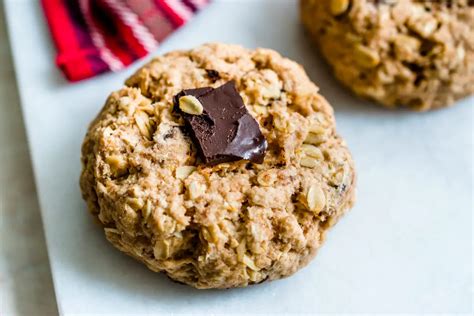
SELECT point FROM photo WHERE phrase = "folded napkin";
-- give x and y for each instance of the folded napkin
(96, 36)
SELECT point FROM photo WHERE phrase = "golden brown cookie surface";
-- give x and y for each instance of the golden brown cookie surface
(231, 224)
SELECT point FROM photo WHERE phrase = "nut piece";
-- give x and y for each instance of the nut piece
(338, 7)
(315, 198)
(184, 171)
(366, 57)
(191, 105)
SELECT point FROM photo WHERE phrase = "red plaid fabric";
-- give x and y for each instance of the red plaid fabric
(96, 36)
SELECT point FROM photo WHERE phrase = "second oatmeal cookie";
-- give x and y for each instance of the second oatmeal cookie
(407, 53)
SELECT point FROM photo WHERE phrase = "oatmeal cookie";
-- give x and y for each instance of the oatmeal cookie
(233, 222)
(401, 53)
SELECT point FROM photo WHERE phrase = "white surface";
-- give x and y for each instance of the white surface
(405, 247)
(26, 287)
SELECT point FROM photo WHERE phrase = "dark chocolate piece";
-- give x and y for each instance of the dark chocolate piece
(225, 131)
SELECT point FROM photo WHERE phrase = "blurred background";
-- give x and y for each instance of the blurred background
(25, 278)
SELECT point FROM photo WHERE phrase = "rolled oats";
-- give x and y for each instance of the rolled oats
(135, 203)
(146, 211)
(126, 104)
(162, 249)
(314, 139)
(312, 151)
(241, 248)
(144, 125)
(308, 162)
(250, 263)
(195, 190)
(183, 172)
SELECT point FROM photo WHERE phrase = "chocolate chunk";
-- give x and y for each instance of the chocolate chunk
(225, 131)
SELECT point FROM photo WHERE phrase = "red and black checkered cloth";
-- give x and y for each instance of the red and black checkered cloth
(96, 36)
